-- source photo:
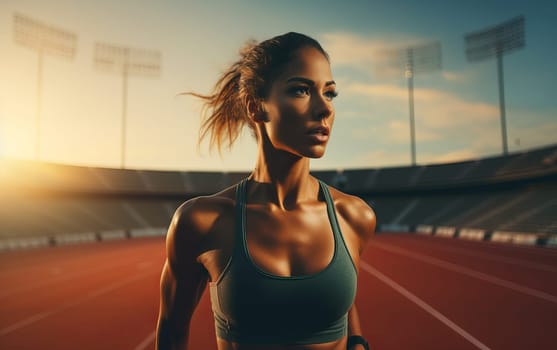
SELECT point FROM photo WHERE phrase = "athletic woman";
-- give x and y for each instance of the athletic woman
(280, 250)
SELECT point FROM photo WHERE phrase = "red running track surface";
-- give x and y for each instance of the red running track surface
(415, 292)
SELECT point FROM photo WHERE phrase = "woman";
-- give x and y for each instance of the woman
(280, 250)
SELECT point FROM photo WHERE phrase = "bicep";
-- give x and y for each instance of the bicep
(183, 279)
(180, 294)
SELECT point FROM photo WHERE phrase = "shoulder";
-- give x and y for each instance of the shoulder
(356, 212)
(198, 213)
(196, 222)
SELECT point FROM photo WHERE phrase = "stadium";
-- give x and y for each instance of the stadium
(98, 151)
(473, 239)
(505, 198)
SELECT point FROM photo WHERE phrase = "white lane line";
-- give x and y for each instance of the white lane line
(25, 322)
(498, 246)
(146, 342)
(41, 315)
(512, 261)
(60, 278)
(428, 308)
(63, 276)
(469, 272)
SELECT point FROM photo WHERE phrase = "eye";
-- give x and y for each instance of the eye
(331, 94)
(299, 91)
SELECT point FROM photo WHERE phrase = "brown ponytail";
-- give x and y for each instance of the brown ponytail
(223, 114)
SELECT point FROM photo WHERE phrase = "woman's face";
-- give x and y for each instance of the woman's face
(300, 105)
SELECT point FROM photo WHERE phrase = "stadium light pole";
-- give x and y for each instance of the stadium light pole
(126, 61)
(45, 39)
(496, 41)
(410, 60)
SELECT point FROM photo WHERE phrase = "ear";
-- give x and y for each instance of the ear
(256, 111)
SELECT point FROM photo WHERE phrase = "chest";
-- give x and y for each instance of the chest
(287, 268)
(293, 243)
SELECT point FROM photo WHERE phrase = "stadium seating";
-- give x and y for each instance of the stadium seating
(515, 193)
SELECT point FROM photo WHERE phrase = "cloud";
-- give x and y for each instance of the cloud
(377, 90)
(456, 77)
(450, 126)
(462, 144)
(380, 54)
(364, 133)
(400, 133)
(524, 136)
(440, 115)
(454, 156)
(381, 158)
(434, 108)
(362, 52)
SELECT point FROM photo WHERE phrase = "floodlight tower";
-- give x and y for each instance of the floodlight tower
(44, 39)
(410, 60)
(495, 41)
(126, 61)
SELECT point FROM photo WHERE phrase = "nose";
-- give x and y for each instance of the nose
(322, 108)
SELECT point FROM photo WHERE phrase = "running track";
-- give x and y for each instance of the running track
(415, 292)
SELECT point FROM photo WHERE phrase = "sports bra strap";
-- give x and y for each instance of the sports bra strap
(240, 225)
(331, 209)
(241, 194)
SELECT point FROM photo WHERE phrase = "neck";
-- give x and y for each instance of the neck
(281, 178)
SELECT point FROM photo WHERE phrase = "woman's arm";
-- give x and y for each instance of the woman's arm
(183, 282)
(362, 219)
(354, 321)
(354, 326)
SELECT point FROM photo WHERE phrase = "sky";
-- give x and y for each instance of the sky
(457, 115)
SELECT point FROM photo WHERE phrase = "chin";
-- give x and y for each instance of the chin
(315, 154)
(313, 151)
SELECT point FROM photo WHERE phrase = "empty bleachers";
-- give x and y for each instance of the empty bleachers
(514, 193)
(523, 209)
(394, 178)
(445, 173)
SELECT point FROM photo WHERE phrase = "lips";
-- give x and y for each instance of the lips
(320, 130)
(319, 134)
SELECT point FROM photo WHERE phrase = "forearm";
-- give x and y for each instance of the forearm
(354, 327)
(354, 322)
(168, 338)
